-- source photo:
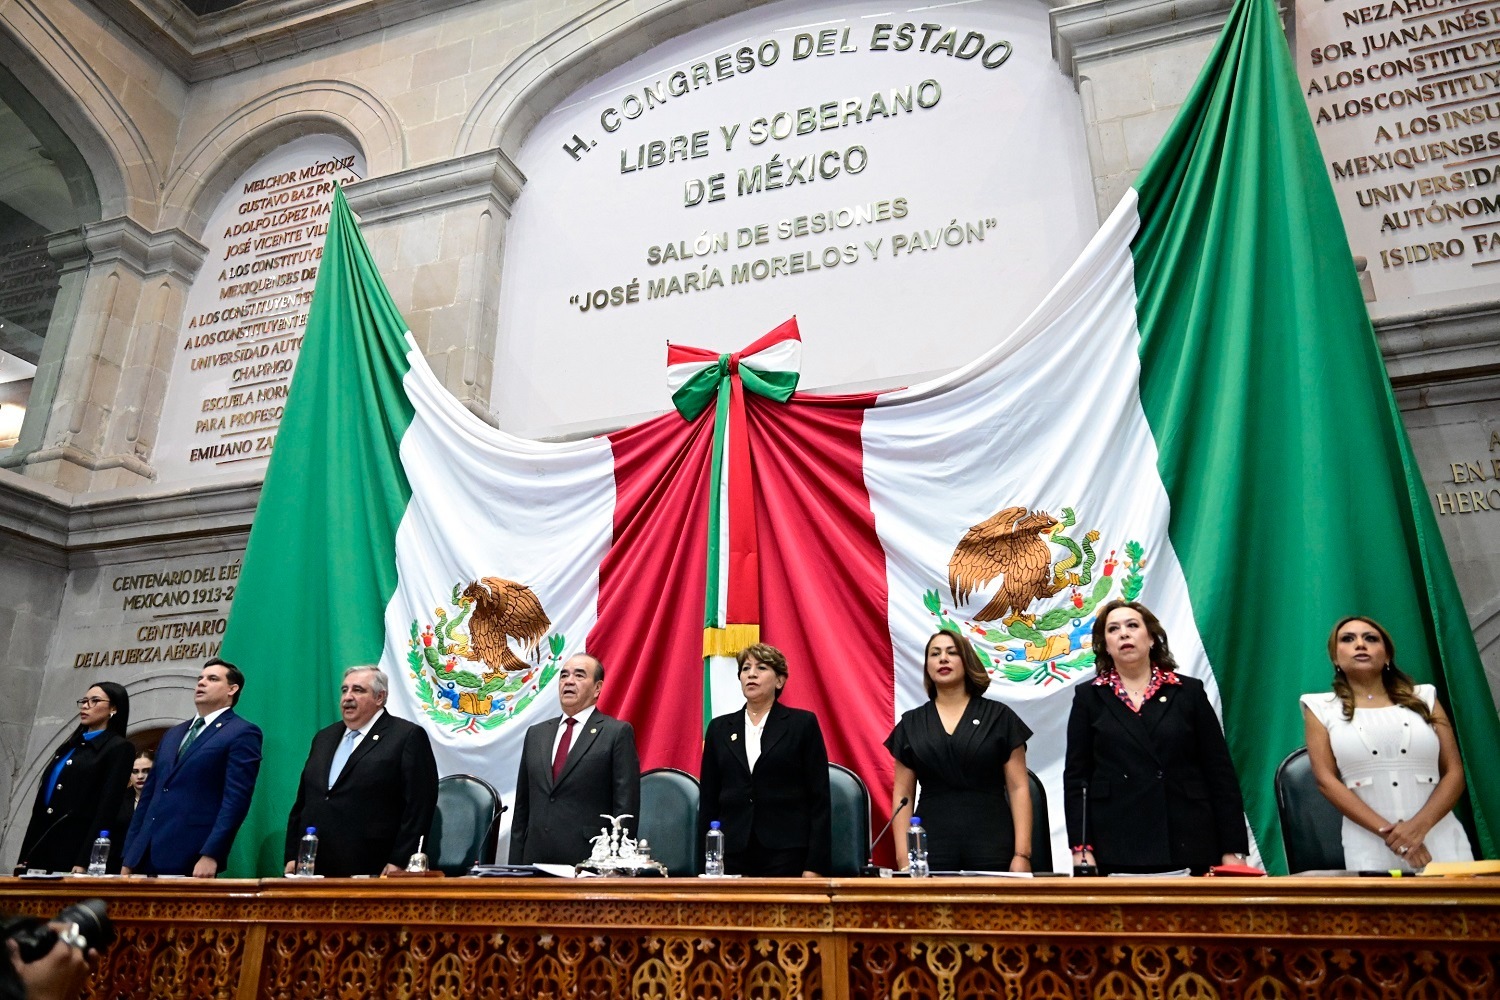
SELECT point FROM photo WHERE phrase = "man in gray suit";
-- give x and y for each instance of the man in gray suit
(573, 768)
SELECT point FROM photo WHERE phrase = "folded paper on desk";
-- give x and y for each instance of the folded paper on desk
(998, 874)
(503, 871)
(1461, 868)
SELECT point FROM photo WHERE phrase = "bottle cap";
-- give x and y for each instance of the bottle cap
(916, 821)
(312, 830)
(714, 825)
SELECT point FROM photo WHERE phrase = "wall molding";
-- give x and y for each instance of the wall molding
(199, 48)
(1102, 29)
(76, 523)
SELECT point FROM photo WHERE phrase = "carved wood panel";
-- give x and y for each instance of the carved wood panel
(928, 968)
(1280, 939)
(314, 962)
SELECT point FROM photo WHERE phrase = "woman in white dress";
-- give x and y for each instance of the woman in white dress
(1384, 754)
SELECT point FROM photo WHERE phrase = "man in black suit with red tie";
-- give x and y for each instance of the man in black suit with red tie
(573, 769)
(369, 786)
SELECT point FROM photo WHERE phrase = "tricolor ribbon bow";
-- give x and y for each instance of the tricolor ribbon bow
(769, 367)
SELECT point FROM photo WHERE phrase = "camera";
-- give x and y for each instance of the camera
(85, 925)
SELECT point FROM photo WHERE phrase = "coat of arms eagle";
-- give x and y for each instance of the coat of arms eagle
(503, 610)
(1009, 545)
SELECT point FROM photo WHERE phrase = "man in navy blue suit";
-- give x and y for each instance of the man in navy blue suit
(199, 791)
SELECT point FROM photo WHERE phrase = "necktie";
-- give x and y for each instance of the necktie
(563, 746)
(192, 734)
(341, 756)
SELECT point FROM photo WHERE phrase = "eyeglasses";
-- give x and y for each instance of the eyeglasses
(90, 702)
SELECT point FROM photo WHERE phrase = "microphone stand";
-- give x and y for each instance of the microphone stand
(21, 863)
(1085, 870)
(871, 870)
(488, 843)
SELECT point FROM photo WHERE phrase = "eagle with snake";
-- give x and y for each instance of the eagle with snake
(1010, 545)
(503, 610)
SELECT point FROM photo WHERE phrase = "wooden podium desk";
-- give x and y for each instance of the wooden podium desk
(766, 939)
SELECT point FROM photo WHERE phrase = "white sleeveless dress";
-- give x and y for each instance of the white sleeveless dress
(1389, 758)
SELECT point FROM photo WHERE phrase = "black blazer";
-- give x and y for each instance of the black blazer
(379, 808)
(784, 801)
(555, 823)
(85, 800)
(1162, 790)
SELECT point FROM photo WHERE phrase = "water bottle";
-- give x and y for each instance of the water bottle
(307, 854)
(713, 850)
(99, 856)
(916, 849)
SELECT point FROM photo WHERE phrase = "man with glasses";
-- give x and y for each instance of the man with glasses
(199, 792)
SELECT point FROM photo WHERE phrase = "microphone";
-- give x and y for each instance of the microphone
(871, 870)
(1085, 870)
(21, 863)
(488, 843)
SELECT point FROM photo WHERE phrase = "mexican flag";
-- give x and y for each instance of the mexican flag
(1196, 417)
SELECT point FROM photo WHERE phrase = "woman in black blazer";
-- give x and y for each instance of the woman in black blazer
(1145, 743)
(140, 770)
(765, 778)
(82, 786)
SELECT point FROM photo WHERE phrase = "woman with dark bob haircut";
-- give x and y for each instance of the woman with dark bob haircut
(82, 785)
(1384, 754)
(1145, 746)
(969, 753)
(765, 778)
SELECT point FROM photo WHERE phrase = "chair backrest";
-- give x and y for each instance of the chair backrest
(669, 818)
(1041, 826)
(463, 823)
(850, 806)
(1312, 830)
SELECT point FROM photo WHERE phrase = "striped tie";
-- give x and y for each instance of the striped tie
(192, 734)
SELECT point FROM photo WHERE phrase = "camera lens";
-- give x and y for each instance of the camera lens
(92, 919)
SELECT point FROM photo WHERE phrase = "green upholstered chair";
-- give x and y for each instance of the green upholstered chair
(669, 818)
(1311, 828)
(463, 826)
(850, 806)
(1041, 826)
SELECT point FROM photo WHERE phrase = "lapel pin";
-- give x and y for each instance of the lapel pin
(1162, 698)
(592, 731)
(375, 737)
(218, 724)
(733, 737)
(976, 722)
